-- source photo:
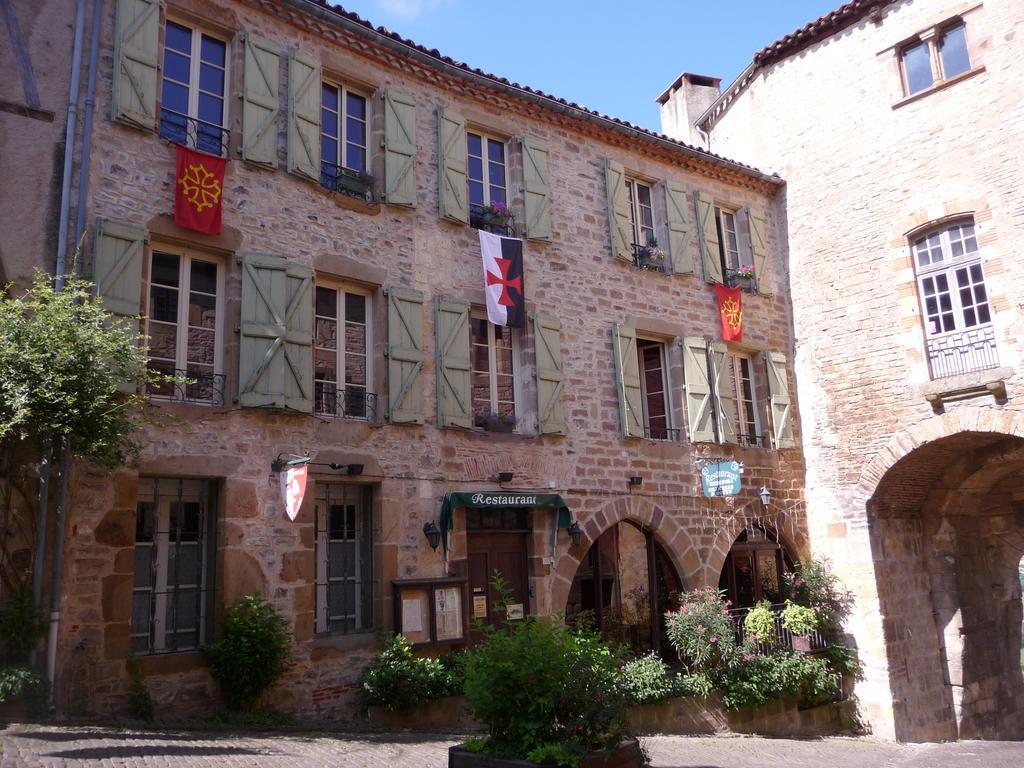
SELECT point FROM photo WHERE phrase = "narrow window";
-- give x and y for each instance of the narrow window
(728, 239)
(654, 389)
(341, 380)
(192, 111)
(344, 559)
(343, 141)
(953, 51)
(938, 55)
(917, 64)
(492, 353)
(486, 179)
(748, 428)
(641, 213)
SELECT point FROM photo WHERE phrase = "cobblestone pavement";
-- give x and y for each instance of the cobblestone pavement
(29, 746)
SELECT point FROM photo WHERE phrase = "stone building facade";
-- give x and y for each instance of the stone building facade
(337, 316)
(897, 127)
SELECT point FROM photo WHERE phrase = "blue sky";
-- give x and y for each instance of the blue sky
(615, 57)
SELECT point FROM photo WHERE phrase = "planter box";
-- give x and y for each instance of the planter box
(493, 424)
(438, 716)
(626, 755)
(802, 643)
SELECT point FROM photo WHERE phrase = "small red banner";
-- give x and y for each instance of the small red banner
(730, 307)
(199, 191)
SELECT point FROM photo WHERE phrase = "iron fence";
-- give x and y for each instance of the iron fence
(782, 637)
(190, 132)
(481, 218)
(345, 402)
(955, 353)
(346, 181)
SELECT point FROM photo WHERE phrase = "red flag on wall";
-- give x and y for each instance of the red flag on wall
(730, 307)
(199, 190)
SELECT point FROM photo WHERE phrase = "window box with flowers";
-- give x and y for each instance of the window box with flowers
(742, 277)
(497, 422)
(495, 217)
(650, 256)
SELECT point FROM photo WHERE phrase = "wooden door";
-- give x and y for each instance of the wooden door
(505, 553)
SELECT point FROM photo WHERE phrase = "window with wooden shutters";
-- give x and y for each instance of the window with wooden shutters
(399, 149)
(136, 58)
(627, 379)
(260, 101)
(487, 182)
(618, 212)
(700, 400)
(276, 334)
(652, 360)
(677, 223)
(537, 188)
(493, 351)
(304, 116)
(342, 373)
(117, 274)
(550, 379)
(723, 392)
(708, 239)
(344, 141)
(451, 172)
(193, 110)
(747, 404)
(454, 391)
(780, 406)
(757, 231)
(405, 356)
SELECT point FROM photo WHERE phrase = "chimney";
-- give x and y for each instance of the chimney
(683, 102)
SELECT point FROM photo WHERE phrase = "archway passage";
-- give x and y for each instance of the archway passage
(947, 533)
(754, 566)
(626, 582)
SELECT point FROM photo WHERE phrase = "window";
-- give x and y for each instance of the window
(172, 590)
(341, 379)
(654, 389)
(934, 57)
(192, 109)
(343, 141)
(954, 300)
(184, 326)
(344, 559)
(728, 239)
(748, 424)
(641, 213)
(485, 172)
(492, 350)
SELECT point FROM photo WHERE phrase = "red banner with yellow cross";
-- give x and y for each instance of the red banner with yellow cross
(730, 307)
(199, 190)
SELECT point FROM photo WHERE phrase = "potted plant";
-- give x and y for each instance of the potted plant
(354, 184)
(496, 216)
(759, 623)
(743, 276)
(651, 256)
(497, 422)
(801, 621)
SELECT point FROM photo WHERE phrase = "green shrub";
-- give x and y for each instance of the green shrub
(842, 659)
(814, 585)
(754, 680)
(647, 680)
(697, 684)
(18, 681)
(702, 631)
(759, 623)
(253, 653)
(396, 680)
(140, 703)
(21, 623)
(799, 619)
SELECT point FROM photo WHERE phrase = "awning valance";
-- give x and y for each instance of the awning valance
(499, 500)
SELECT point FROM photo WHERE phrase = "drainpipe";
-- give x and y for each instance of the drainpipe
(57, 563)
(69, 145)
(90, 108)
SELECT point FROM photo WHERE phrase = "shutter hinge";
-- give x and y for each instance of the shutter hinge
(387, 350)
(238, 329)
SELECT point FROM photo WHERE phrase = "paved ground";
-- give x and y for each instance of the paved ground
(33, 745)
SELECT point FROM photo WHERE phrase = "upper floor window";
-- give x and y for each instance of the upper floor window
(183, 324)
(654, 390)
(641, 212)
(344, 139)
(192, 107)
(728, 239)
(487, 181)
(341, 380)
(935, 56)
(748, 421)
(492, 351)
(344, 558)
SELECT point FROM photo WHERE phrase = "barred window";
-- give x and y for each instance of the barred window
(344, 558)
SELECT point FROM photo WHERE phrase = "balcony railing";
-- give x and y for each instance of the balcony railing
(754, 441)
(345, 403)
(782, 638)
(190, 387)
(480, 218)
(346, 181)
(189, 132)
(662, 433)
(644, 259)
(955, 353)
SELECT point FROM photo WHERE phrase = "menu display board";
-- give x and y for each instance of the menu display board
(429, 611)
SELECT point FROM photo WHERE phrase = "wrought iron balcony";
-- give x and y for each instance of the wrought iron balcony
(645, 257)
(346, 181)
(195, 134)
(782, 637)
(481, 218)
(754, 441)
(191, 387)
(955, 353)
(345, 403)
(662, 433)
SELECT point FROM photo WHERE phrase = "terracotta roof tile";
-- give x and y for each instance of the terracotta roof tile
(815, 30)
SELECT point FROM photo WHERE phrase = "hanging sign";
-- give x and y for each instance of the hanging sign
(293, 488)
(722, 479)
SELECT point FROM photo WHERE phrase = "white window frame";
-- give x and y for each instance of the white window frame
(948, 267)
(636, 209)
(341, 289)
(322, 620)
(932, 40)
(726, 253)
(485, 162)
(737, 361)
(342, 138)
(492, 373)
(665, 385)
(195, 61)
(185, 256)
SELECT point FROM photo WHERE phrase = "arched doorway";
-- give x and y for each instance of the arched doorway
(754, 566)
(947, 531)
(625, 583)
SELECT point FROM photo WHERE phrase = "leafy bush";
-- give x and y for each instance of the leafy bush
(647, 680)
(702, 631)
(253, 654)
(842, 659)
(754, 680)
(697, 684)
(799, 619)
(18, 681)
(397, 680)
(140, 703)
(21, 623)
(759, 623)
(814, 585)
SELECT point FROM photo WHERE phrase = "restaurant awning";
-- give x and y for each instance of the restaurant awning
(499, 500)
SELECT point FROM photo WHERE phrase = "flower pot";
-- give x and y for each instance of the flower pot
(496, 424)
(802, 643)
(626, 755)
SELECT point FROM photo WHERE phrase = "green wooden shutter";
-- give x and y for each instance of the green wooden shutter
(707, 234)
(304, 116)
(276, 334)
(451, 160)
(136, 57)
(260, 101)
(537, 190)
(405, 356)
(700, 401)
(117, 266)
(618, 211)
(627, 381)
(399, 149)
(454, 400)
(548, 341)
(678, 228)
(759, 249)
(778, 391)
(723, 392)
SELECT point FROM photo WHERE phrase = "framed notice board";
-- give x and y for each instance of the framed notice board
(431, 611)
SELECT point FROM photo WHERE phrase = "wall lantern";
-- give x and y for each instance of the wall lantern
(575, 533)
(766, 496)
(635, 480)
(505, 477)
(352, 469)
(433, 534)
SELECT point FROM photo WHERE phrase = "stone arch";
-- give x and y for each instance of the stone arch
(787, 527)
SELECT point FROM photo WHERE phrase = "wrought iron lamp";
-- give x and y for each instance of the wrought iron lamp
(575, 533)
(766, 496)
(635, 480)
(505, 477)
(433, 534)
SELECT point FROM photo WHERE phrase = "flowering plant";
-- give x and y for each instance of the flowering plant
(651, 251)
(702, 630)
(745, 271)
(499, 212)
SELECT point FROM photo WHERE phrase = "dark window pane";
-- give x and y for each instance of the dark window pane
(165, 269)
(355, 106)
(211, 79)
(213, 51)
(473, 143)
(176, 66)
(495, 151)
(355, 308)
(953, 49)
(475, 168)
(355, 158)
(204, 276)
(329, 123)
(330, 97)
(178, 38)
(326, 302)
(355, 131)
(496, 174)
(174, 97)
(497, 195)
(918, 65)
(329, 151)
(476, 193)
(210, 109)
(983, 314)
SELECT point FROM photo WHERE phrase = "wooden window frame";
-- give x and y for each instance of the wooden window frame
(363, 572)
(642, 340)
(198, 31)
(724, 252)
(948, 267)
(342, 289)
(636, 208)
(343, 92)
(492, 375)
(737, 361)
(932, 38)
(485, 163)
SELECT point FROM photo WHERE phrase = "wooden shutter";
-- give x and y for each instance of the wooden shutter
(451, 161)
(117, 266)
(778, 392)
(451, 326)
(136, 57)
(276, 342)
(260, 101)
(724, 392)
(399, 149)
(759, 249)
(700, 402)
(405, 356)
(627, 380)
(550, 380)
(618, 211)
(537, 190)
(707, 234)
(678, 228)
(304, 89)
